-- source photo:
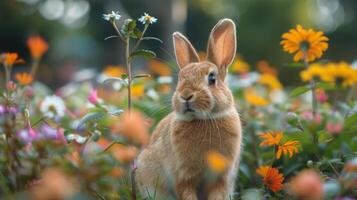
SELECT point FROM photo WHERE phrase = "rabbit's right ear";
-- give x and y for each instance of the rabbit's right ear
(184, 51)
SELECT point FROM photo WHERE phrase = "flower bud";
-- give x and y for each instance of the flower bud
(292, 118)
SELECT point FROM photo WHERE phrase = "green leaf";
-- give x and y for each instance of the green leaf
(136, 33)
(112, 36)
(128, 27)
(90, 116)
(124, 76)
(351, 121)
(145, 53)
(295, 65)
(152, 38)
(299, 91)
(142, 76)
(325, 86)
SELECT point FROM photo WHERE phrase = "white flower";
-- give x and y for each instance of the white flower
(152, 94)
(147, 19)
(53, 106)
(112, 16)
(75, 137)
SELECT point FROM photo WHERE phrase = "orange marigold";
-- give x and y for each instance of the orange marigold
(23, 78)
(305, 44)
(37, 45)
(273, 180)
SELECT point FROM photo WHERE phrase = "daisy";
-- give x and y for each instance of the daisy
(147, 19)
(112, 16)
(305, 44)
(53, 106)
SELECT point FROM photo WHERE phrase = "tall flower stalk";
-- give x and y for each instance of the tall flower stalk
(126, 33)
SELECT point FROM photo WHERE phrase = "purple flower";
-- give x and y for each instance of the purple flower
(27, 135)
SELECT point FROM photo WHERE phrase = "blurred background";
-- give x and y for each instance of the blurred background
(75, 30)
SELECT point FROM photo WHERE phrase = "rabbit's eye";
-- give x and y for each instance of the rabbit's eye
(211, 79)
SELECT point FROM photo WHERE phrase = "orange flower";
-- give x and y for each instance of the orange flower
(113, 71)
(304, 43)
(271, 138)
(9, 59)
(124, 153)
(290, 147)
(262, 170)
(273, 180)
(159, 68)
(37, 45)
(265, 68)
(217, 162)
(307, 185)
(137, 91)
(239, 65)
(23, 78)
(132, 126)
(252, 98)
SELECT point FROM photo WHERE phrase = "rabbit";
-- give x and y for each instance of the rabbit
(204, 118)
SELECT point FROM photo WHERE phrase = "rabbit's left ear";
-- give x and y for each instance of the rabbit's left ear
(221, 47)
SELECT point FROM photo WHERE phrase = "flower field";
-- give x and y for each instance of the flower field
(81, 140)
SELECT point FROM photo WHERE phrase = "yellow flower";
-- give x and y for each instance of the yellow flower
(24, 78)
(263, 170)
(252, 98)
(217, 162)
(314, 71)
(271, 138)
(239, 65)
(113, 71)
(290, 147)
(342, 73)
(137, 91)
(271, 81)
(305, 44)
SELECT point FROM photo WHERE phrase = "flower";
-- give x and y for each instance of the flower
(137, 90)
(53, 106)
(271, 81)
(265, 68)
(307, 185)
(11, 86)
(315, 70)
(27, 135)
(272, 179)
(132, 126)
(112, 16)
(93, 97)
(252, 98)
(147, 19)
(271, 138)
(239, 65)
(274, 139)
(9, 59)
(23, 78)
(124, 153)
(216, 162)
(321, 95)
(341, 73)
(334, 127)
(159, 68)
(113, 71)
(306, 44)
(37, 45)
(290, 147)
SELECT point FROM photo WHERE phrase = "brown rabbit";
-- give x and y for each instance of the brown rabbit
(204, 118)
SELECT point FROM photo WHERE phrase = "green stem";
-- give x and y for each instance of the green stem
(34, 67)
(141, 37)
(313, 90)
(118, 32)
(128, 65)
(7, 74)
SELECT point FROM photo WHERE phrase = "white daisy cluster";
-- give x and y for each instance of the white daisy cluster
(53, 107)
(147, 19)
(112, 16)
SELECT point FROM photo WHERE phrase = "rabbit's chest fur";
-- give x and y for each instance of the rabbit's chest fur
(192, 140)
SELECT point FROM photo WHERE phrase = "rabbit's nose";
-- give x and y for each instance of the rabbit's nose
(187, 97)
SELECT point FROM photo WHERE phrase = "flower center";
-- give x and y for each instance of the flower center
(304, 45)
(53, 109)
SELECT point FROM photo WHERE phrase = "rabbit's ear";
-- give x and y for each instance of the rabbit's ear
(184, 51)
(221, 47)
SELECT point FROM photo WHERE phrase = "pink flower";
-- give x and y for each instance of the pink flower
(11, 86)
(93, 97)
(321, 96)
(318, 118)
(307, 115)
(334, 127)
(307, 185)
